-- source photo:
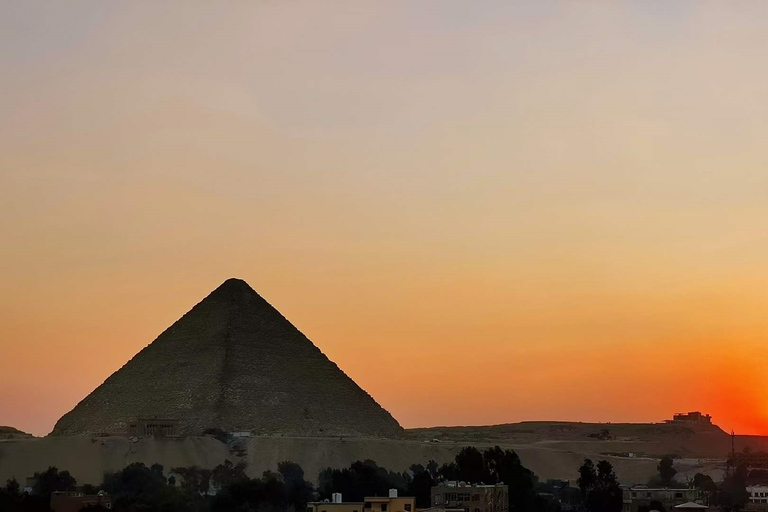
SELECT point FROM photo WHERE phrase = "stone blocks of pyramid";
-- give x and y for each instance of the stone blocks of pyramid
(235, 363)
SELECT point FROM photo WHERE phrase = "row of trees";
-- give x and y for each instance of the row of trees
(227, 487)
(492, 466)
(138, 488)
(731, 495)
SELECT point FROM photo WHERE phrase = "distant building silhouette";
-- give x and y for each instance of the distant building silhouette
(691, 417)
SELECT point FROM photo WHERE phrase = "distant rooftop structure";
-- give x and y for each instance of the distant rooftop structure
(391, 503)
(639, 497)
(690, 417)
(468, 497)
(74, 501)
(691, 506)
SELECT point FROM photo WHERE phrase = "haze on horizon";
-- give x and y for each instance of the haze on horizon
(483, 213)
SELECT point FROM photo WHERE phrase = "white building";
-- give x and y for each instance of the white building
(758, 493)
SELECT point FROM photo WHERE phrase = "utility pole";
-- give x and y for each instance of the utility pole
(732, 465)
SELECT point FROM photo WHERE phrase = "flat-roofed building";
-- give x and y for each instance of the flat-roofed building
(73, 502)
(471, 498)
(758, 495)
(391, 503)
(636, 497)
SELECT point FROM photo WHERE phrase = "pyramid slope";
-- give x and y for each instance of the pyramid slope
(232, 362)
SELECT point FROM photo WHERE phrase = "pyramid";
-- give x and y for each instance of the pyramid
(232, 362)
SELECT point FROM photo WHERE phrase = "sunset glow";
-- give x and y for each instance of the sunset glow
(416, 186)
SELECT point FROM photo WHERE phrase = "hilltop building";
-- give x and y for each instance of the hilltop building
(695, 417)
(471, 498)
(391, 503)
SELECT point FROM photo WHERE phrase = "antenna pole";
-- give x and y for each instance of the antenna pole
(733, 451)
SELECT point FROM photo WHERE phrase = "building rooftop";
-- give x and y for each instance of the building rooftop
(454, 483)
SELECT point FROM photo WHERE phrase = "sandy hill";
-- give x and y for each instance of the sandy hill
(551, 450)
(13, 433)
(652, 440)
(232, 362)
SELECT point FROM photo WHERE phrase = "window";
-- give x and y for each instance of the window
(367, 504)
(407, 507)
(678, 495)
(383, 507)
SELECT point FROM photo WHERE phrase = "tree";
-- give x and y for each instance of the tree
(245, 495)
(12, 487)
(587, 478)
(265, 494)
(420, 486)
(227, 473)
(448, 471)
(137, 487)
(493, 466)
(505, 466)
(758, 476)
(666, 471)
(732, 495)
(704, 482)
(52, 480)
(10, 497)
(297, 490)
(432, 468)
(360, 479)
(599, 487)
(194, 480)
(470, 465)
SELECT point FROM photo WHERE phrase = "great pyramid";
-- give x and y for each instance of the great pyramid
(232, 362)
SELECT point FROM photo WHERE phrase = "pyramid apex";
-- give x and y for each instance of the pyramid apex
(233, 289)
(235, 281)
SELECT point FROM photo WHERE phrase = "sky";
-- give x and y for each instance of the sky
(483, 212)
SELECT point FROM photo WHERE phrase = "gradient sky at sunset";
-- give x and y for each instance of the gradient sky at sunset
(484, 212)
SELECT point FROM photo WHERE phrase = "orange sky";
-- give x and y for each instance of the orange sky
(518, 212)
